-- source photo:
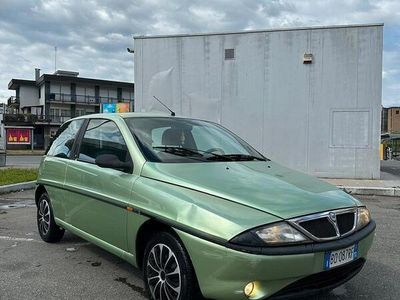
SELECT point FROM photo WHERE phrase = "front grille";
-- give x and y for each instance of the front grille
(322, 281)
(321, 228)
(345, 222)
(327, 225)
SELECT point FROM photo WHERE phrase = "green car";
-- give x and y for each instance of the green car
(199, 210)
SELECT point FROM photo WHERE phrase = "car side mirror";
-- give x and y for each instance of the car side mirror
(113, 162)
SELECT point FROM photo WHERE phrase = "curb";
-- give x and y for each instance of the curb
(371, 191)
(4, 189)
(25, 152)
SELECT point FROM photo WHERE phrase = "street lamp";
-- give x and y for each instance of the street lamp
(130, 103)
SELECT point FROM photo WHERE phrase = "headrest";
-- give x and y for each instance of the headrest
(172, 137)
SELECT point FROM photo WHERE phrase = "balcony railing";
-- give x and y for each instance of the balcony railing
(31, 119)
(13, 101)
(58, 119)
(24, 119)
(84, 99)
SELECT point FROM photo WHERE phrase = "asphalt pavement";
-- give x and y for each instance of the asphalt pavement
(23, 161)
(390, 169)
(76, 269)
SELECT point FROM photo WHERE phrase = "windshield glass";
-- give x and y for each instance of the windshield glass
(186, 140)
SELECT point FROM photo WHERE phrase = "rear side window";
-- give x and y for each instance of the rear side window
(64, 139)
(102, 137)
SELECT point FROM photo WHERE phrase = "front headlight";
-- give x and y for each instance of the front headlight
(273, 235)
(363, 217)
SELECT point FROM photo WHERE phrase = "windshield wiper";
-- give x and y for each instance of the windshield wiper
(179, 151)
(236, 157)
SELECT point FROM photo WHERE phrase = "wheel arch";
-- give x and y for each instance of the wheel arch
(40, 189)
(146, 231)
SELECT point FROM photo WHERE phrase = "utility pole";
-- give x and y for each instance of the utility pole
(55, 59)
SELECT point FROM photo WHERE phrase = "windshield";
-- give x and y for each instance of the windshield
(186, 140)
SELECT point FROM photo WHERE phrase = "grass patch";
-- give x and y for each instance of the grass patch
(10, 176)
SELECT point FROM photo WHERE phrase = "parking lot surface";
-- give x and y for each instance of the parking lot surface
(76, 269)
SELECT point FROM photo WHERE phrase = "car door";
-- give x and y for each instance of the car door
(53, 167)
(96, 197)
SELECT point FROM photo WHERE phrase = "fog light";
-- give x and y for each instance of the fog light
(249, 289)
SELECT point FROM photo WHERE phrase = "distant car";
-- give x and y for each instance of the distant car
(198, 210)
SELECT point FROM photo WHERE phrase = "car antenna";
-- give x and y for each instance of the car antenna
(172, 113)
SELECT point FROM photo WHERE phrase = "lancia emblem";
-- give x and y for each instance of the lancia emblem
(332, 216)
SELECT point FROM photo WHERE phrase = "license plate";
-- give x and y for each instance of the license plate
(340, 257)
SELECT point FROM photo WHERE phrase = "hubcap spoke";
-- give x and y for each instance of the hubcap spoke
(175, 289)
(153, 254)
(166, 292)
(155, 269)
(153, 277)
(44, 216)
(158, 287)
(161, 259)
(168, 259)
(46, 226)
(176, 271)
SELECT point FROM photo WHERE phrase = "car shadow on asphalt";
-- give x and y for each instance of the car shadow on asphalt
(98, 256)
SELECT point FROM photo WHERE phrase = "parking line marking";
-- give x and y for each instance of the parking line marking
(16, 239)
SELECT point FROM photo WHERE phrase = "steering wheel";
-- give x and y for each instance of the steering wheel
(218, 150)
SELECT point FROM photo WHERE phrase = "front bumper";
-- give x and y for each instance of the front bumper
(223, 272)
(323, 281)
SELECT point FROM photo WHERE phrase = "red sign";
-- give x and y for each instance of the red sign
(18, 136)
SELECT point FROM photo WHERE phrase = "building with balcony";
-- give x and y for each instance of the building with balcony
(43, 104)
(390, 120)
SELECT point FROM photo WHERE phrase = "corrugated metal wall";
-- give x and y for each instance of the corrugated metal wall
(321, 118)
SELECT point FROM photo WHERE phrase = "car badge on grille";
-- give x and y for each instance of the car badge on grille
(332, 219)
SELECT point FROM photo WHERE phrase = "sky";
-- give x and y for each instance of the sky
(92, 36)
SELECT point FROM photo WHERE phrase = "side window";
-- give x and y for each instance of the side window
(64, 139)
(102, 137)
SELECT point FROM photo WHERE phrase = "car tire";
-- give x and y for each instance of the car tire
(167, 269)
(49, 231)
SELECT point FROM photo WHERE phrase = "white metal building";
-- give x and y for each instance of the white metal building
(308, 98)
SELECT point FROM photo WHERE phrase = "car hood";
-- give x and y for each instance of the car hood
(262, 185)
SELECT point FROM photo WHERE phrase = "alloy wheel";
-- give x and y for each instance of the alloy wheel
(44, 216)
(163, 273)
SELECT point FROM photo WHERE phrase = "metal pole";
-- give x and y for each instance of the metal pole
(32, 139)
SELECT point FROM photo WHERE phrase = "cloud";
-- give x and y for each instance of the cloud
(391, 78)
(92, 36)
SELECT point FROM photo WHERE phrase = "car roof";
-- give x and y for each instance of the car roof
(118, 116)
(112, 116)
